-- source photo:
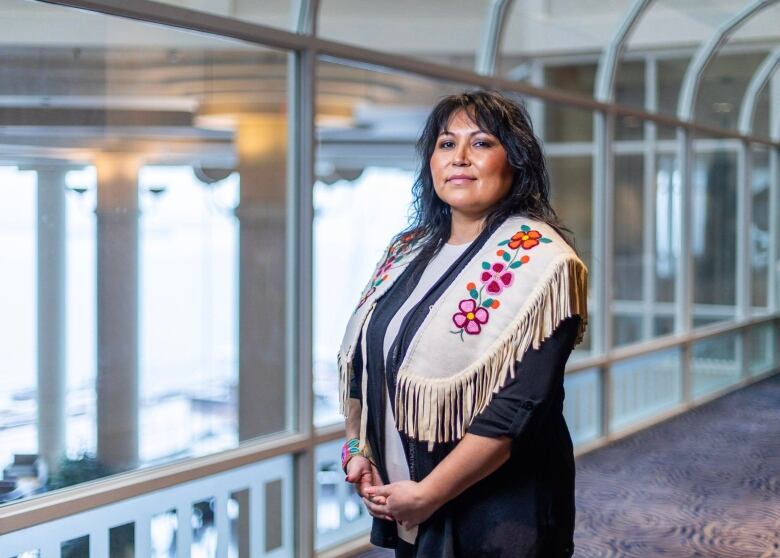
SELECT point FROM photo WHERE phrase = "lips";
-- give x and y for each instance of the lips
(460, 178)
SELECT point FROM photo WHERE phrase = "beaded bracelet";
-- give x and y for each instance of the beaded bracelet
(350, 449)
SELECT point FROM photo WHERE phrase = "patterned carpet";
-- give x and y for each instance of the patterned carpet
(703, 484)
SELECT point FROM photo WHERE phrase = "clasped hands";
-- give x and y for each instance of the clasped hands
(408, 502)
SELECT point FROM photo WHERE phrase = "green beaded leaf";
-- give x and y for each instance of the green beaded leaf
(515, 265)
(474, 293)
(506, 256)
(503, 243)
(525, 228)
(545, 240)
(377, 282)
(485, 265)
(487, 302)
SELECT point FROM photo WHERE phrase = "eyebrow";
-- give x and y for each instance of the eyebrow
(446, 132)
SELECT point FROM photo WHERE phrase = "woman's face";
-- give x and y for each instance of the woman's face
(469, 167)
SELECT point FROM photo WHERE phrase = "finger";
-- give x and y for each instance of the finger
(363, 485)
(381, 490)
(376, 509)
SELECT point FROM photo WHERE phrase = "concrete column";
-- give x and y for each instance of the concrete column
(263, 285)
(51, 256)
(117, 310)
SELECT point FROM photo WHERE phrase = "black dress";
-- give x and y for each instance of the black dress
(526, 507)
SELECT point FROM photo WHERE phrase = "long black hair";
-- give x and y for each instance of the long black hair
(529, 193)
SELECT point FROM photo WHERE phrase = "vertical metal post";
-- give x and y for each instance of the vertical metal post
(773, 297)
(300, 199)
(649, 202)
(603, 229)
(744, 275)
(683, 299)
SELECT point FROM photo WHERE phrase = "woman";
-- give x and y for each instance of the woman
(452, 364)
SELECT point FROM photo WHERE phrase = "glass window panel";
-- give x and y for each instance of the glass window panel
(571, 195)
(273, 515)
(760, 267)
(645, 386)
(274, 13)
(671, 72)
(18, 319)
(582, 405)
(341, 514)
(573, 78)
(646, 229)
(714, 364)
(239, 521)
(567, 124)
(689, 23)
(75, 548)
(629, 227)
(631, 297)
(162, 529)
(446, 32)
(714, 232)
(761, 348)
(629, 128)
(121, 540)
(776, 343)
(630, 92)
(158, 165)
(761, 113)
(204, 532)
(722, 87)
(535, 30)
(367, 125)
(667, 231)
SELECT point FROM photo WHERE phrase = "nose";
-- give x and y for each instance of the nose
(460, 155)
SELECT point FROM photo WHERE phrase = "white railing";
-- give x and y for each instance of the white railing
(45, 540)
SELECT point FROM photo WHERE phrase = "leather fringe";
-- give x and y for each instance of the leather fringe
(441, 409)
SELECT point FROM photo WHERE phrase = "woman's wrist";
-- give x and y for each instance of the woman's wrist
(350, 449)
(430, 494)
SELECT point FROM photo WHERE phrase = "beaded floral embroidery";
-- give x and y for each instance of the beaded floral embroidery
(395, 254)
(473, 312)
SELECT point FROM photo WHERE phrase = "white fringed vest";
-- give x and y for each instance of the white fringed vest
(510, 296)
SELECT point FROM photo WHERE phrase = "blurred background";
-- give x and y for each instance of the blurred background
(193, 194)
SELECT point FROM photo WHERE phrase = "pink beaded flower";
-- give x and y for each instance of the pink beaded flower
(497, 278)
(470, 318)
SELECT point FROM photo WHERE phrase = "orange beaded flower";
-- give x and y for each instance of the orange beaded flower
(526, 239)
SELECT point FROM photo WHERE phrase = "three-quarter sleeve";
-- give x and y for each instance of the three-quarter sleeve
(526, 398)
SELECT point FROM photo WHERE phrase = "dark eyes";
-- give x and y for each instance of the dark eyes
(447, 144)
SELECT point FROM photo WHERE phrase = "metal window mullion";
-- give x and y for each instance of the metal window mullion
(773, 297)
(684, 283)
(649, 206)
(301, 92)
(684, 280)
(305, 16)
(693, 74)
(743, 262)
(492, 33)
(607, 67)
(602, 204)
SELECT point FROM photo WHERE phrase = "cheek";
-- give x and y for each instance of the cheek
(498, 169)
